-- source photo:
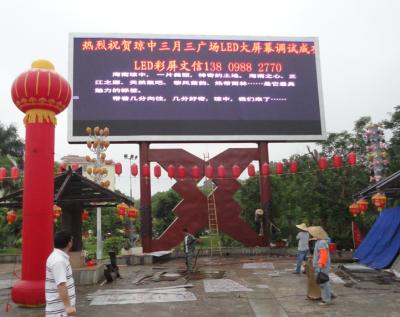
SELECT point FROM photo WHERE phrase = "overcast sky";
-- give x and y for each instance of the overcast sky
(359, 50)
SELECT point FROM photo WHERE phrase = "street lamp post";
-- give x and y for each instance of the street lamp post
(131, 158)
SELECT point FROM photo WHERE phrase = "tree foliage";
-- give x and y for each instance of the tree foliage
(162, 206)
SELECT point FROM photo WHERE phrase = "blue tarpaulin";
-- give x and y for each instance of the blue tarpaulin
(382, 243)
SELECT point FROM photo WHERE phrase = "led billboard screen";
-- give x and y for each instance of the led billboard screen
(194, 89)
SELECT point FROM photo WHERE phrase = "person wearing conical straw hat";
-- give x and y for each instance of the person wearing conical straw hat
(258, 220)
(302, 248)
(322, 261)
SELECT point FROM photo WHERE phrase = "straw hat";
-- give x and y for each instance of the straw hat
(318, 232)
(259, 212)
(302, 226)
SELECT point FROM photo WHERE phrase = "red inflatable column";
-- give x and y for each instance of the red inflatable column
(41, 93)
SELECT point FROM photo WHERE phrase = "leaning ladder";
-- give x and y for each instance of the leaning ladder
(215, 241)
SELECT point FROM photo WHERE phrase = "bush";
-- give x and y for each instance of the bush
(114, 244)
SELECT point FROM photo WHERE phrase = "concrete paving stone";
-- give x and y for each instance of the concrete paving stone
(284, 297)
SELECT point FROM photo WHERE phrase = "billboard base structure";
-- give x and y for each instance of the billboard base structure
(192, 210)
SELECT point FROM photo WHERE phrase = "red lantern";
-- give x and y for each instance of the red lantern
(362, 205)
(251, 170)
(61, 168)
(145, 170)
(265, 169)
(157, 171)
(337, 161)
(56, 212)
(171, 171)
(195, 172)
(279, 168)
(121, 210)
(236, 171)
(14, 173)
(181, 171)
(134, 169)
(85, 215)
(132, 213)
(379, 201)
(41, 87)
(209, 171)
(3, 173)
(293, 167)
(118, 168)
(352, 158)
(354, 210)
(11, 217)
(221, 171)
(322, 163)
(74, 166)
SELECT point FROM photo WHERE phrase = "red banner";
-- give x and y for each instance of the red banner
(357, 236)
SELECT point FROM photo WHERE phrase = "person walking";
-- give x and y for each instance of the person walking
(302, 248)
(322, 261)
(189, 243)
(60, 286)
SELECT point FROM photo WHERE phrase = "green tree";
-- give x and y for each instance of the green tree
(162, 205)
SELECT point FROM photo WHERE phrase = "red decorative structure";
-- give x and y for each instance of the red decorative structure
(337, 161)
(352, 158)
(195, 172)
(192, 211)
(209, 171)
(379, 201)
(62, 168)
(265, 169)
(293, 167)
(146, 170)
(181, 172)
(14, 173)
(122, 209)
(11, 217)
(56, 212)
(134, 170)
(279, 168)
(132, 213)
(322, 163)
(221, 171)
(118, 169)
(40, 93)
(362, 205)
(236, 171)
(354, 209)
(251, 170)
(3, 173)
(157, 171)
(171, 171)
(85, 215)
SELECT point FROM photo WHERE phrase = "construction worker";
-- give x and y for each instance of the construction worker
(189, 243)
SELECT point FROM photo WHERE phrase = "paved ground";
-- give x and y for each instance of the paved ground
(272, 291)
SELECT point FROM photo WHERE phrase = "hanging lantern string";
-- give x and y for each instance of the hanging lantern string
(185, 177)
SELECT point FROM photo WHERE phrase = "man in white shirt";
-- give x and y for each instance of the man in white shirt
(304, 237)
(60, 286)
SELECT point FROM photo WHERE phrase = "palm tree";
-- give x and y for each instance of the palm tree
(11, 153)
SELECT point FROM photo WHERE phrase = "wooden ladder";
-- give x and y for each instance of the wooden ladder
(215, 241)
